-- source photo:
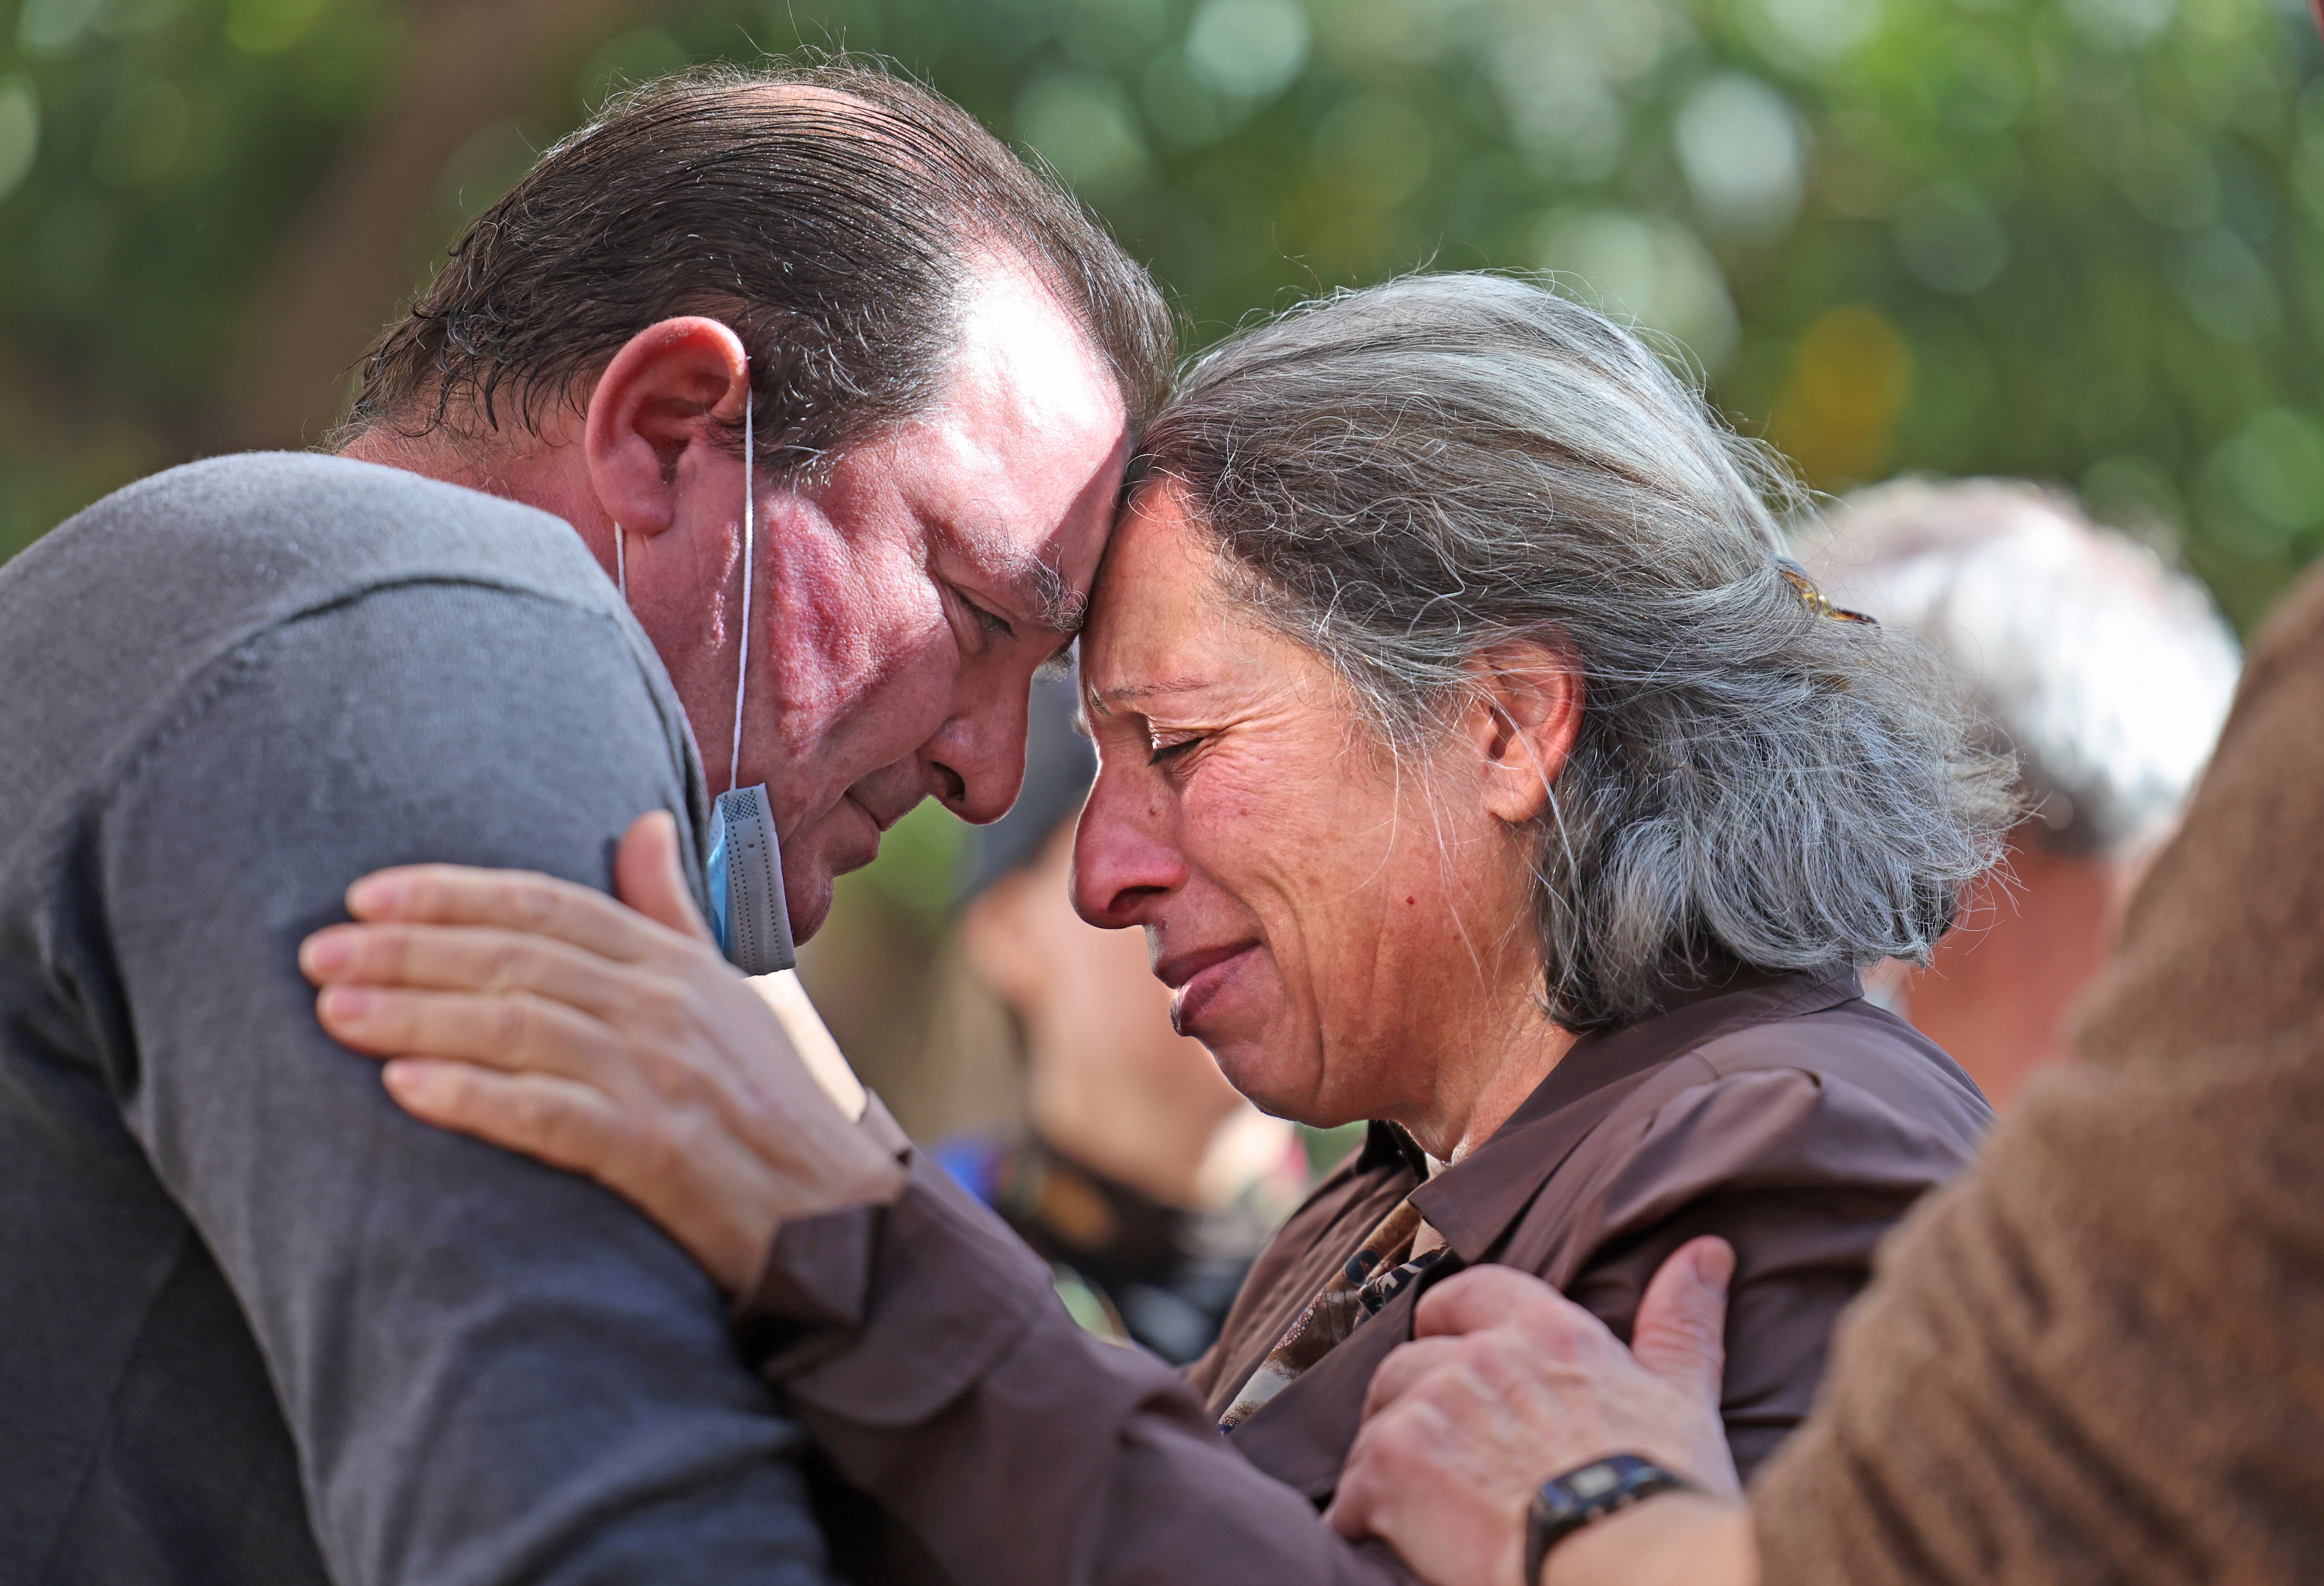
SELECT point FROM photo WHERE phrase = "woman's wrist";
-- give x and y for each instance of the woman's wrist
(1674, 1539)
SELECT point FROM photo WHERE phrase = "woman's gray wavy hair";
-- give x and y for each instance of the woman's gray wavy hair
(1413, 475)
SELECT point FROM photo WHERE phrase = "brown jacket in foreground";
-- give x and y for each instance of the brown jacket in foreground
(971, 1432)
(2101, 1356)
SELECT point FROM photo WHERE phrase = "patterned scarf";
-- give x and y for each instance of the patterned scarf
(1382, 1268)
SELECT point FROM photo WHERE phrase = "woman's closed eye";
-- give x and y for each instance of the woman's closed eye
(1163, 749)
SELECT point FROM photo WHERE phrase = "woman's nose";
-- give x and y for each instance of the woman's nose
(1124, 860)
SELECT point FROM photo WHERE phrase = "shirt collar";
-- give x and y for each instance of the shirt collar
(1387, 1146)
(1474, 1201)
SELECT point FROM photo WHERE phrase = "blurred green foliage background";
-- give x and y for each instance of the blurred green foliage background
(2080, 240)
(2076, 239)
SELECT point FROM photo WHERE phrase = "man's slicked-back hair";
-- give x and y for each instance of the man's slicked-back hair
(832, 214)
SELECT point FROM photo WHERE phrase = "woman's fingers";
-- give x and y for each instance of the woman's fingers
(514, 1031)
(562, 1121)
(649, 876)
(712, 1195)
(521, 901)
(465, 958)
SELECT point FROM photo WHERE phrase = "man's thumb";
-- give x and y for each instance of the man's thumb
(646, 875)
(1681, 1333)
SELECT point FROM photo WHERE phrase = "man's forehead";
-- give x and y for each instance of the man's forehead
(1031, 354)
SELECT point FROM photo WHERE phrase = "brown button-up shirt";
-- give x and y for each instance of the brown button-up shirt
(979, 1437)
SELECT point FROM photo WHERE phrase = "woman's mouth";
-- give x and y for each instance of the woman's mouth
(1200, 978)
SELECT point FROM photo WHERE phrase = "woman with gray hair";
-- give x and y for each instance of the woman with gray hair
(1477, 767)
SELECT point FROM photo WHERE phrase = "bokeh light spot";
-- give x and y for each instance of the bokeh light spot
(1248, 48)
(1738, 142)
(1811, 33)
(20, 132)
(2125, 23)
(1649, 270)
(1851, 376)
(1084, 124)
(53, 27)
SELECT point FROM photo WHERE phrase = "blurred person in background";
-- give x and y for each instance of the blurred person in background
(1143, 1177)
(1467, 756)
(2105, 674)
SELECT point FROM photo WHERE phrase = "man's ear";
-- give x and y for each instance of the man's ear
(667, 389)
(1523, 713)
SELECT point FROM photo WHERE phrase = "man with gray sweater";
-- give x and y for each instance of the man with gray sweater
(255, 1324)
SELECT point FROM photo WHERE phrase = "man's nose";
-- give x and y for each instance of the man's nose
(1124, 860)
(977, 760)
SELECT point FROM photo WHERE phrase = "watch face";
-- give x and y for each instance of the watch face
(1565, 1505)
(1593, 1481)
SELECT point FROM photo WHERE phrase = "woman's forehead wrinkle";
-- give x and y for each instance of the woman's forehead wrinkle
(1137, 693)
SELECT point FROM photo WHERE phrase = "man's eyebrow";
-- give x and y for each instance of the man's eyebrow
(1034, 586)
(1055, 605)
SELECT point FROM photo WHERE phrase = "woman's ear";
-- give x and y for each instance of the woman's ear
(1521, 716)
(668, 388)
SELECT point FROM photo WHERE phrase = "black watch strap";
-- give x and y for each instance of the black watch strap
(1569, 1502)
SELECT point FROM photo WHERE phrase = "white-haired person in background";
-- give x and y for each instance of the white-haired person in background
(2105, 673)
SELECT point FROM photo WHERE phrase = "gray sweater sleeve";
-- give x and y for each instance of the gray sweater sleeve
(492, 1371)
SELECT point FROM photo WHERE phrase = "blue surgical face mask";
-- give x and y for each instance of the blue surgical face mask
(745, 862)
(747, 910)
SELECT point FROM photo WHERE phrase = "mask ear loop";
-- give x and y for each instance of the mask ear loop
(750, 530)
(622, 562)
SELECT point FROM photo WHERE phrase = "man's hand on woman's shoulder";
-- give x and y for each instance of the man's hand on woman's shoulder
(1507, 1384)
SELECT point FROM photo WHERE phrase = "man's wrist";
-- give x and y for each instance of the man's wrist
(1677, 1538)
(1586, 1494)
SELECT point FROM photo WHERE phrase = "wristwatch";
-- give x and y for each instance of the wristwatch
(1567, 1503)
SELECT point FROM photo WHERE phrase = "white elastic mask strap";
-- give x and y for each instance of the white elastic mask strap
(622, 562)
(750, 550)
